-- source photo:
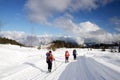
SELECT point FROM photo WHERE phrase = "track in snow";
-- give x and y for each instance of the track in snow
(84, 68)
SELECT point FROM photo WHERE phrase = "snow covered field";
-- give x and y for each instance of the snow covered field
(20, 63)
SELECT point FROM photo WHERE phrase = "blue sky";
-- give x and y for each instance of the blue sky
(47, 16)
(102, 15)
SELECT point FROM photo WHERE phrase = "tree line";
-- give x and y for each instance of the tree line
(63, 44)
(9, 41)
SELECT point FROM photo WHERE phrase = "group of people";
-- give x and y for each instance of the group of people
(67, 55)
(50, 58)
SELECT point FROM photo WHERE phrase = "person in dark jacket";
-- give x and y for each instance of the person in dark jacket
(49, 59)
(74, 54)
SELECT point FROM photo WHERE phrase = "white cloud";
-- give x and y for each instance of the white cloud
(83, 5)
(46, 38)
(11, 35)
(41, 10)
(18, 36)
(88, 26)
(84, 30)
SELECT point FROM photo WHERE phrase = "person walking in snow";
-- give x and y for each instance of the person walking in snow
(49, 59)
(66, 56)
(74, 54)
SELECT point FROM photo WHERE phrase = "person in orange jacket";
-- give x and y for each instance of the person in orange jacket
(66, 56)
(49, 59)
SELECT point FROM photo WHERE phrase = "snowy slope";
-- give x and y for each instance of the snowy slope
(20, 63)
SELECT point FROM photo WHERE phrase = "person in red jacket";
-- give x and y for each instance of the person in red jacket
(66, 56)
(49, 59)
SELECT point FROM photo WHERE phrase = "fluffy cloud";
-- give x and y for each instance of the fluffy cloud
(88, 26)
(82, 28)
(18, 36)
(46, 38)
(40, 10)
(85, 31)
(36, 40)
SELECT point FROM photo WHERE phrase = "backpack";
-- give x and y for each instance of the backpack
(67, 54)
(49, 57)
(74, 52)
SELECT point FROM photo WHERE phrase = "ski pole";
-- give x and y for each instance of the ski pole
(55, 65)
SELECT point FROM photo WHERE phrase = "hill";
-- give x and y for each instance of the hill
(9, 41)
(63, 44)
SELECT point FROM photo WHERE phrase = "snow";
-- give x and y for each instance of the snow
(22, 63)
